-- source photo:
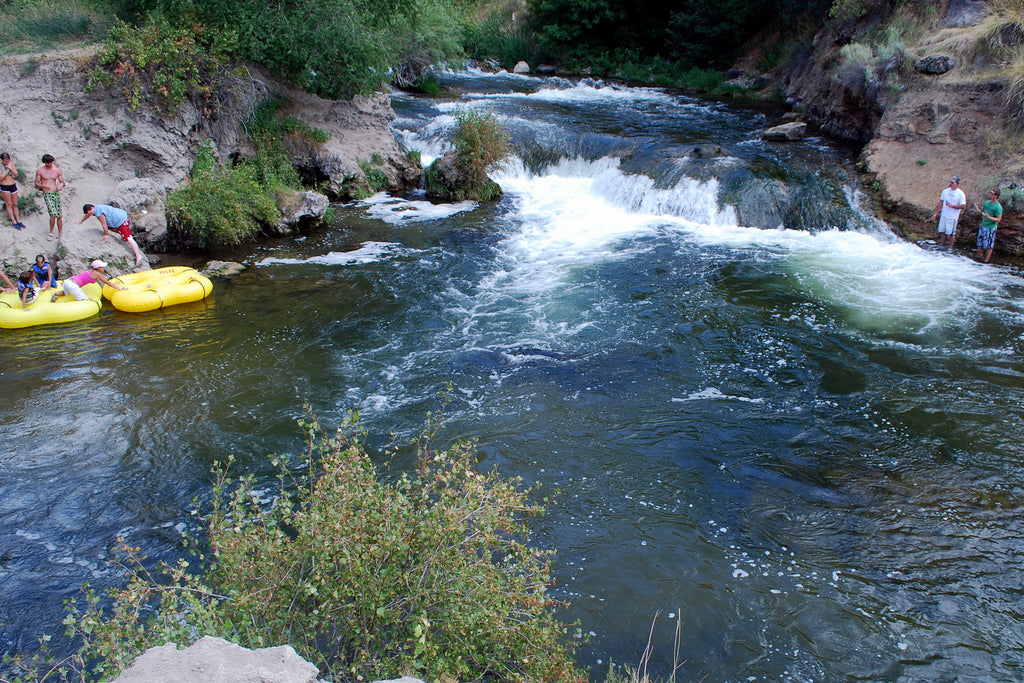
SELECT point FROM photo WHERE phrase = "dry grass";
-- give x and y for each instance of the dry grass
(1014, 94)
(640, 674)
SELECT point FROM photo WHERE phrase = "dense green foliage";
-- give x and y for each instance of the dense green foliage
(161, 64)
(334, 48)
(221, 204)
(428, 575)
(692, 32)
(227, 204)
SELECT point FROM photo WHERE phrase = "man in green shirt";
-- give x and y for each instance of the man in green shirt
(991, 214)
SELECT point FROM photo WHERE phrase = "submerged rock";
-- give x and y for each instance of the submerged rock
(222, 269)
(794, 130)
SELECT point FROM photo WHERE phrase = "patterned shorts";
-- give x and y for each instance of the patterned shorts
(986, 238)
(52, 200)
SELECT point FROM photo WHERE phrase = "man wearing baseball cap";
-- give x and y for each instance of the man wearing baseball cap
(951, 202)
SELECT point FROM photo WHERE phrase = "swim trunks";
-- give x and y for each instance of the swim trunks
(947, 226)
(986, 239)
(125, 229)
(52, 201)
(12, 188)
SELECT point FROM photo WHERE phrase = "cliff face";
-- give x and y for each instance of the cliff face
(135, 158)
(919, 127)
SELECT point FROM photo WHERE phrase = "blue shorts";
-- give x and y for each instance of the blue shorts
(986, 238)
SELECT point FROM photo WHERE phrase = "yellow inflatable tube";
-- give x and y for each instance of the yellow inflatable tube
(44, 312)
(153, 289)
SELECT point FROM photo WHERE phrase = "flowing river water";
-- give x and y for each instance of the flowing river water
(799, 443)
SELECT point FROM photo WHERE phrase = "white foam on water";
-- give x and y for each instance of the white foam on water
(369, 252)
(579, 211)
(395, 210)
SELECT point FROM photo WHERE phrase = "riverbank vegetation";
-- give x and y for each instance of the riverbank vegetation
(429, 574)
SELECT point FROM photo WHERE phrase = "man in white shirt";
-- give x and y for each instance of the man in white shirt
(951, 202)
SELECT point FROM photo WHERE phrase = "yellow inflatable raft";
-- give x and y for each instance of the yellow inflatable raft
(44, 312)
(153, 289)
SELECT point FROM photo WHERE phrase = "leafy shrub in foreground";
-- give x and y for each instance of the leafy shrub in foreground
(429, 575)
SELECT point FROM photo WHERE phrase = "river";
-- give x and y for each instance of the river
(800, 442)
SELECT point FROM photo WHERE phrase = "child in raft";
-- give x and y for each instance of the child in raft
(45, 277)
(26, 289)
(73, 285)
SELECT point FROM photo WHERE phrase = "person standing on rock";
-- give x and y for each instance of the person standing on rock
(951, 202)
(115, 219)
(9, 189)
(50, 181)
(991, 214)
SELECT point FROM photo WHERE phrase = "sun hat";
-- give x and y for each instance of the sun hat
(99, 264)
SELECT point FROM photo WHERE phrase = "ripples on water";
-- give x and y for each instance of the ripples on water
(802, 445)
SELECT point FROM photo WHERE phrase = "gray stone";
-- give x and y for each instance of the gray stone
(794, 130)
(310, 207)
(215, 659)
(521, 67)
(964, 13)
(935, 64)
(222, 269)
(706, 151)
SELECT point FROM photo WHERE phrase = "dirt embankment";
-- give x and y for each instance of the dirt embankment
(918, 128)
(110, 154)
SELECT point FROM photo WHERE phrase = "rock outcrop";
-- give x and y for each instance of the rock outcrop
(920, 121)
(111, 155)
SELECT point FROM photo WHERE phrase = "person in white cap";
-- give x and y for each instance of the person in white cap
(951, 202)
(73, 285)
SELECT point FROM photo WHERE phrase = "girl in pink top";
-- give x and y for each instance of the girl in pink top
(73, 285)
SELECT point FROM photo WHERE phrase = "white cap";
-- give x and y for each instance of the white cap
(99, 264)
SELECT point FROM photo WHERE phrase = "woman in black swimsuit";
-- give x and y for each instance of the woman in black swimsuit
(9, 189)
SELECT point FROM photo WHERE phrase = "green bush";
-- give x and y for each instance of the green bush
(222, 205)
(429, 575)
(480, 142)
(160, 64)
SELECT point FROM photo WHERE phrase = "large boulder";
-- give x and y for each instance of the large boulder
(303, 208)
(214, 659)
(935, 64)
(446, 182)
